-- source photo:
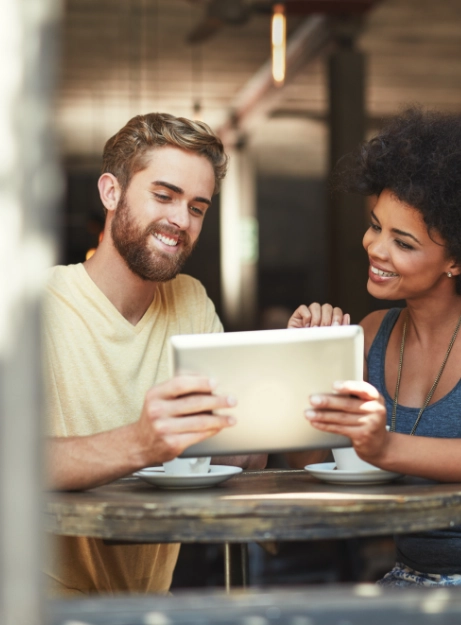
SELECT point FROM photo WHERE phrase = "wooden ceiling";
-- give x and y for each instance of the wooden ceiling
(123, 57)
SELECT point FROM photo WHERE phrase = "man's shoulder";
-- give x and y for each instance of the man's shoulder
(61, 275)
(64, 284)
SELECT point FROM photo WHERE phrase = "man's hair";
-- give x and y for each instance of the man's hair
(417, 156)
(125, 153)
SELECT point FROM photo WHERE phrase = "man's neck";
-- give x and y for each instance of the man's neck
(130, 295)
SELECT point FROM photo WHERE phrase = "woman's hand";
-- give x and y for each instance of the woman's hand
(356, 410)
(316, 315)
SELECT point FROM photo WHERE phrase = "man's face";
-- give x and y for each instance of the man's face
(159, 218)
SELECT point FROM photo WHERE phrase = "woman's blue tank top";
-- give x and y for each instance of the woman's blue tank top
(436, 551)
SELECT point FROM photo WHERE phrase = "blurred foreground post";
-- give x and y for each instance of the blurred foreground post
(29, 187)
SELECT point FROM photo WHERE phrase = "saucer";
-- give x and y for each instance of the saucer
(327, 472)
(217, 474)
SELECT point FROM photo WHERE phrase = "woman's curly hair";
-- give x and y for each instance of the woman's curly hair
(417, 156)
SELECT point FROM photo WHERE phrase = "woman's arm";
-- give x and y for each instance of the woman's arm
(432, 458)
(357, 410)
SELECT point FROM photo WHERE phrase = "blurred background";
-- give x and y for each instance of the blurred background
(277, 235)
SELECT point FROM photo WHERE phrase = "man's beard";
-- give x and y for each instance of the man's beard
(132, 243)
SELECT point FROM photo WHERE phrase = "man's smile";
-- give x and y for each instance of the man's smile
(167, 240)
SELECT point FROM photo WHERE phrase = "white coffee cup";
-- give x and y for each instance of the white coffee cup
(187, 466)
(347, 460)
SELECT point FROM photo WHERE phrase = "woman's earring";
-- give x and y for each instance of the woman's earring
(449, 274)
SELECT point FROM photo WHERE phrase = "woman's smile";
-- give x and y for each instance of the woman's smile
(380, 275)
(406, 261)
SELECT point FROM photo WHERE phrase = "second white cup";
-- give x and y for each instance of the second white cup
(347, 460)
(187, 466)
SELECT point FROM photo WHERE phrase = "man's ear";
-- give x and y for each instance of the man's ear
(109, 191)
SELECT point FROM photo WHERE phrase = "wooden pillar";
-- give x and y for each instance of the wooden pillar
(29, 185)
(347, 216)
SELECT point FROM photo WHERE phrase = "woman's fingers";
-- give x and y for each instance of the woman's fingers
(313, 315)
(335, 428)
(301, 318)
(356, 404)
(368, 420)
(357, 411)
(344, 403)
(316, 315)
(324, 315)
(337, 317)
(332, 417)
(361, 389)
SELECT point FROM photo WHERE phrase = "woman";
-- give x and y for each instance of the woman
(412, 355)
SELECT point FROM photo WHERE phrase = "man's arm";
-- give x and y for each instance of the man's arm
(80, 462)
(175, 415)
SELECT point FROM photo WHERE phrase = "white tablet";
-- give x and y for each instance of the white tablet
(271, 373)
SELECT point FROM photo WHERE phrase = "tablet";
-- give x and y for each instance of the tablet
(271, 373)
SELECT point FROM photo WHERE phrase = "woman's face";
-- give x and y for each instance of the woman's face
(405, 262)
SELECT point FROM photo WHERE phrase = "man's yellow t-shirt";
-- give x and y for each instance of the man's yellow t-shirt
(98, 368)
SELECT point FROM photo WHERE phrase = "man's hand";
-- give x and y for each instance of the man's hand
(316, 315)
(177, 414)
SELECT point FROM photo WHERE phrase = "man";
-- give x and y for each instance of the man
(107, 321)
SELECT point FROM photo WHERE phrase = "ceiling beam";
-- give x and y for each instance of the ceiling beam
(259, 95)
(330, 7)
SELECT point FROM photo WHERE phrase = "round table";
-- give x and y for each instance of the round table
(253, 506)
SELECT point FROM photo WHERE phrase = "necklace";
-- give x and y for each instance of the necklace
(434, 385)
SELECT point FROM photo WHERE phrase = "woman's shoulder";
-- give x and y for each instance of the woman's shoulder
(371, 324)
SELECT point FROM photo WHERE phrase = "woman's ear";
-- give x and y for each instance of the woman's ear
(454, 269)
(109, 191)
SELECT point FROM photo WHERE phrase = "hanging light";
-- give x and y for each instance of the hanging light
(196, 80)
(279, 23)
